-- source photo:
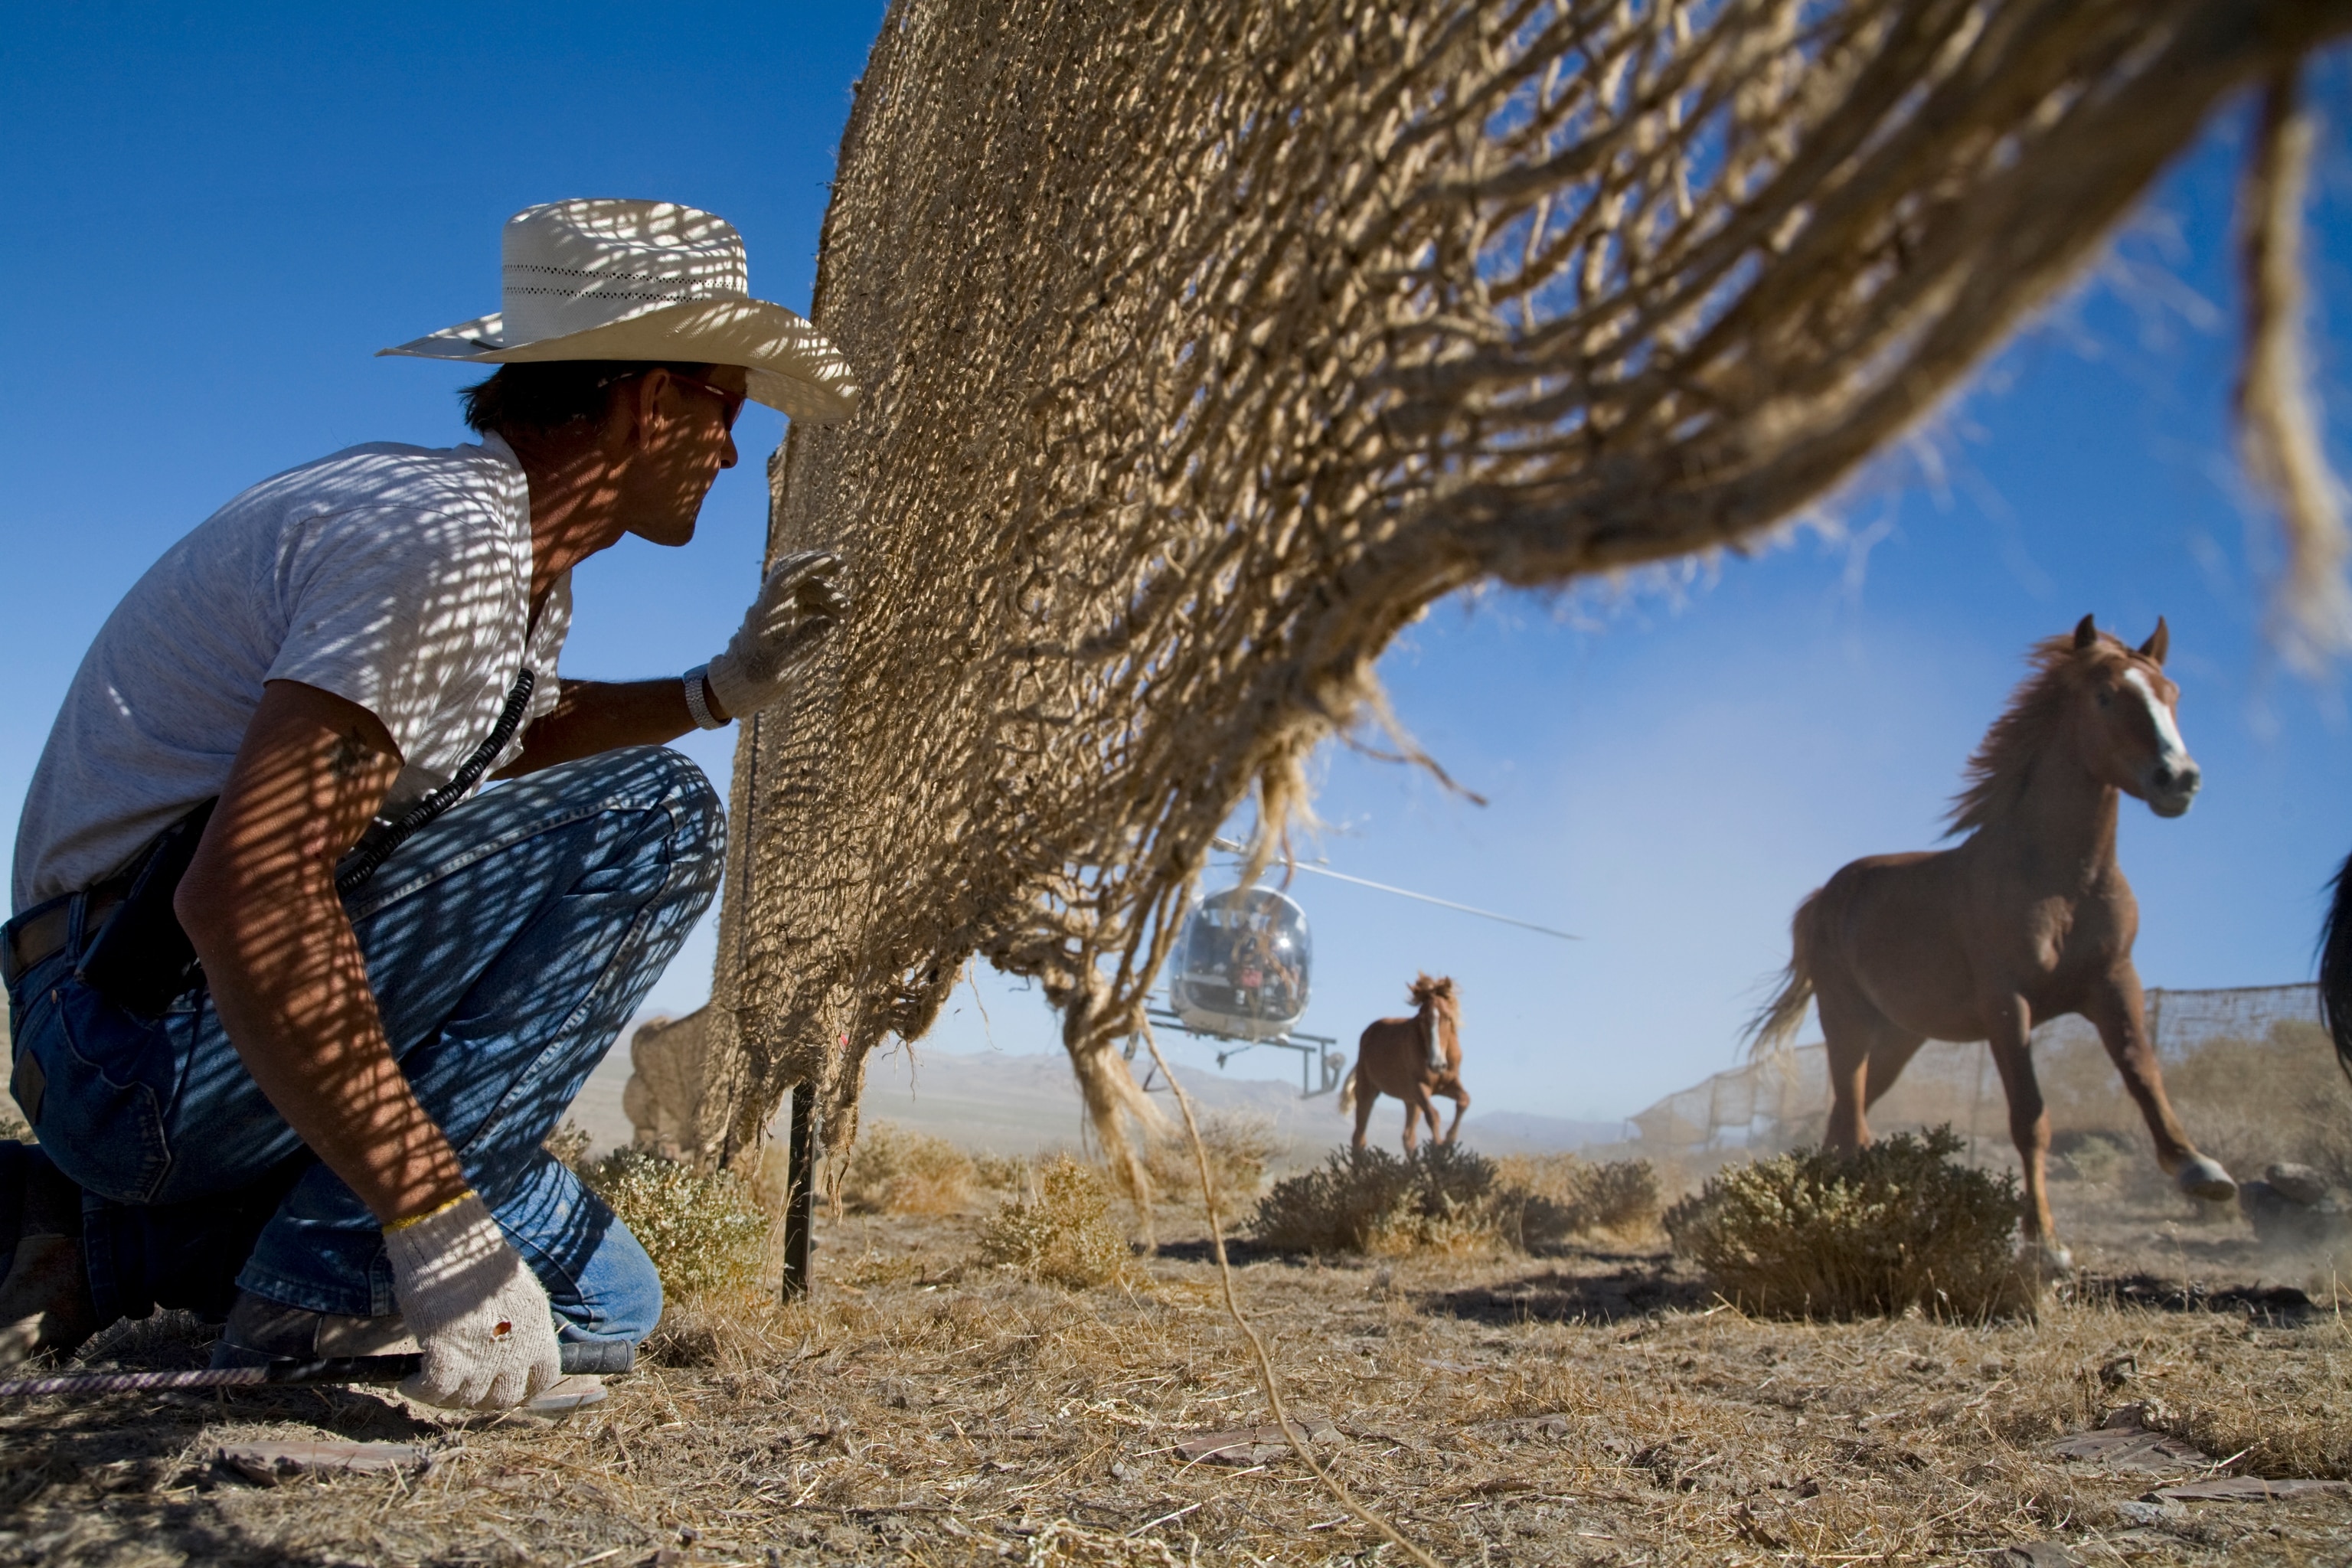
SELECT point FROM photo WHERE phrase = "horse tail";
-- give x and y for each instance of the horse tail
(1347, 1090)
(1775, 1023)
(2335, 968)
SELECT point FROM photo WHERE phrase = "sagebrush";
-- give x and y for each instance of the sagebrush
(1059, 1231)
(1446, 1198)
(1001, 1172)
(570, 1143)
(705, 1230)
(1618, 1196)
(893, 1170)
(1900, 1224)
(1442, 1197)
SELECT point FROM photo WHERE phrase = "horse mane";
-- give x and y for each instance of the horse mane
(2004, 759)
(1434, 1001)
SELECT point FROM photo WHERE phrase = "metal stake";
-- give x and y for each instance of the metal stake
(800, 1192)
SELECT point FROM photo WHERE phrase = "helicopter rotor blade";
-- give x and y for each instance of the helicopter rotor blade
(1231, 848)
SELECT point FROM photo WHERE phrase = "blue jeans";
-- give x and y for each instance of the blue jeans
(507, 944)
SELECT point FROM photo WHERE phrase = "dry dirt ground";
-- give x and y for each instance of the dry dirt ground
(1595, 1406)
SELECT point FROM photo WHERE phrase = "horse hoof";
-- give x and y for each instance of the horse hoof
(2050, 1260)
(2203, 1177)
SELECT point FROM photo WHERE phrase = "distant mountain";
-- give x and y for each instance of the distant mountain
(1004, 1104)
(1018, 1104)
(1517, 1132)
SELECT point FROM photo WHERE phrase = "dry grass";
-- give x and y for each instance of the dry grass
(1583, 1409)
(895, 1171)
(1893, 1226)
(1239, 1147)
(1059, 1231)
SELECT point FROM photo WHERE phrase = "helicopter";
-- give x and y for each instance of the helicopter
(1241, 969)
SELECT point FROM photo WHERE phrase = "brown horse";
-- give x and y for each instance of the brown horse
(2026, 919)
(1412, 1058)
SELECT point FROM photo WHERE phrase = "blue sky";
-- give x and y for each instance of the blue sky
(224, 212)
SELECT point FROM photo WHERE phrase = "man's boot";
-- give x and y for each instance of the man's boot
(44, 1298)
(261, 1331)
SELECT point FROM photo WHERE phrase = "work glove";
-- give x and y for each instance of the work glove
(799, 600)
(477, 1312)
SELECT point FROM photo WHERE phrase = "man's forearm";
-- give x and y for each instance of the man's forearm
(595, 716)
(280, 959)
(287, 976)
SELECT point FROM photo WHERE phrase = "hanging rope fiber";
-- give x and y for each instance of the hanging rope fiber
(1206, 342)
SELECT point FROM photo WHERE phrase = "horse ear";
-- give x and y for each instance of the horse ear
(2158, 644)
(2085, 633)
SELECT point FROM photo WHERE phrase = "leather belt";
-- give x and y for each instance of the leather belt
(41, 933)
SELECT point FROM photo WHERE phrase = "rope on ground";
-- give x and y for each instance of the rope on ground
(1268, 1379)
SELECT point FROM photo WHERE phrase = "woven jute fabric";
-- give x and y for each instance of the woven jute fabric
(1205, 343)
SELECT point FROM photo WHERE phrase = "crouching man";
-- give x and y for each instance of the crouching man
(293, 1009)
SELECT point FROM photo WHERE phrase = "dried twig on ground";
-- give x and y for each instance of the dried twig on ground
(1269, 1381)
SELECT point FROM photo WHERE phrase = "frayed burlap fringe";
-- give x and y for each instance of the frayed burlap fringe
(2280, 427)
(1207, 341)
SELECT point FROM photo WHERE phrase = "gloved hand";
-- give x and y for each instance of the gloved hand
(476, 1311)
(799, 600)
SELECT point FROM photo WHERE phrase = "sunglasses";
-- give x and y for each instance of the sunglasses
(734, 401)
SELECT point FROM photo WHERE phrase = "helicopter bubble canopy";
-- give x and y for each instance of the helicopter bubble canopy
(1241, 966)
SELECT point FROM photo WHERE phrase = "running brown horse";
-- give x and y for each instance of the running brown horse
(2026, 919)
(1412, 1058)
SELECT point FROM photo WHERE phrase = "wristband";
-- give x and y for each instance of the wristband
(428, 1214)
(696, 705)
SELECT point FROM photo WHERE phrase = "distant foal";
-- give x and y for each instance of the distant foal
(1411, 1058)
(2026, 919)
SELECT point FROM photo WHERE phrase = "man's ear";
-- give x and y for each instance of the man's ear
(628, 416)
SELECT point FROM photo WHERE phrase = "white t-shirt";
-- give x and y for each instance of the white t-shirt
(397, 577)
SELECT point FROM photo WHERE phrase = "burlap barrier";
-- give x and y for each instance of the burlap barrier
(1205, 343)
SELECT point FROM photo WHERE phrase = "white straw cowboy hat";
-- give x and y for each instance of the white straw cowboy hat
(603, 278)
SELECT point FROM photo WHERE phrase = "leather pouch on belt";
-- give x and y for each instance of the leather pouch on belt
(141, 960)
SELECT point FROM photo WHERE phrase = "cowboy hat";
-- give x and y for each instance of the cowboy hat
(604, 278)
